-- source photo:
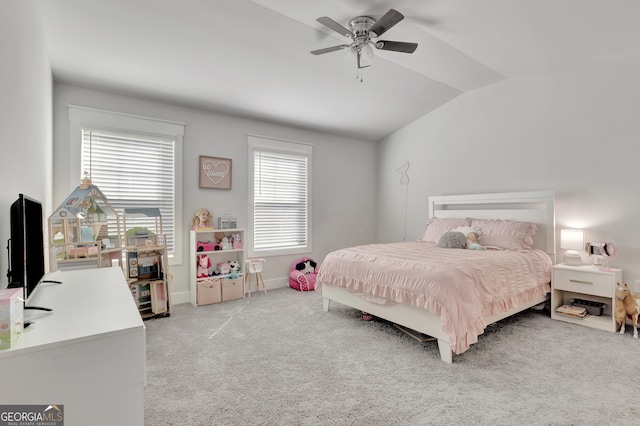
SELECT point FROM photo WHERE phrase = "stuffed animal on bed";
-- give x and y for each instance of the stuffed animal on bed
(461, 237)
(472, 234)
(452, 239)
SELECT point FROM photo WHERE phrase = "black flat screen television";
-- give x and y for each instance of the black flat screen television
(26, 245)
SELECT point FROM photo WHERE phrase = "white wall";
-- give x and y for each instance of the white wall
(25, 114)
(573, 133)
(343, 180)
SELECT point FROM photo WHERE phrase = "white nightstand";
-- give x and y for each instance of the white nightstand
(589, 283)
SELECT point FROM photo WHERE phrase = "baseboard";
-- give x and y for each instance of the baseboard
(272, 284)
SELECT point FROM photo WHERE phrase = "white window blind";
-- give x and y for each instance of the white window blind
(281, 199)
(133, 170)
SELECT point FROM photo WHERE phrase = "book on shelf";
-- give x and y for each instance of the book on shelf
(573, 311)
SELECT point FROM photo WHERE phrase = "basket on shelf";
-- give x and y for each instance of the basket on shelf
(593, 308)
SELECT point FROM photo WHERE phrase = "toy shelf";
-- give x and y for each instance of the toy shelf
(207, 237)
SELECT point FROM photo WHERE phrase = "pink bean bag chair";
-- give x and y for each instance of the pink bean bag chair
(303, 274)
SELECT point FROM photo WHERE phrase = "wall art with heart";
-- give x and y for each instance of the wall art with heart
(215, 172)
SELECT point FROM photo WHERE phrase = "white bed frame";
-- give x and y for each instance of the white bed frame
(537, 207)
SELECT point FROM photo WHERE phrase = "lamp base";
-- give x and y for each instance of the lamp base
(573, 259)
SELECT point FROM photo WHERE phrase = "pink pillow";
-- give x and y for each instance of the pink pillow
(506, 234)
(439, 225)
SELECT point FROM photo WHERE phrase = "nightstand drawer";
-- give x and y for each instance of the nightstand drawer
(583, 282)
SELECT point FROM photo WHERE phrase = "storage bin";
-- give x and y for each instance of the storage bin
(232, 288)
(594, 308)
(208, 291)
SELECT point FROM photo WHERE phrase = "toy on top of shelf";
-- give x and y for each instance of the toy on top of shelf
(202, 219)
(204, 263)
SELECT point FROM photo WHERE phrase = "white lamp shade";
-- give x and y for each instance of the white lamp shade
(350, 56)
(572, 239)
(367, 53)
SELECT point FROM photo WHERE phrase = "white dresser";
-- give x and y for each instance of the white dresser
(88, 354)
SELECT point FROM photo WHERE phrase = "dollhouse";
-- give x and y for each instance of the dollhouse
(85, 231)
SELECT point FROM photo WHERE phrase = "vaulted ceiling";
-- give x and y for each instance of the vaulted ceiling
(252, 58)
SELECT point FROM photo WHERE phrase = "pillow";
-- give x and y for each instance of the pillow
(506, 234)
(439, 225)
(452, 239)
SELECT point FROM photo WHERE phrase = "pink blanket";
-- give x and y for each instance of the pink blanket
(461, 286)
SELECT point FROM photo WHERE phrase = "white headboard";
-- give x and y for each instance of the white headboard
(537, 207)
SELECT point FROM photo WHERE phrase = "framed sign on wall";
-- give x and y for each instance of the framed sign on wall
(215, 172)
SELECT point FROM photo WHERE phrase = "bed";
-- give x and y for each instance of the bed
(452, 294)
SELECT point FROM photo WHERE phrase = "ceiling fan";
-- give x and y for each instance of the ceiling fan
(362, 30)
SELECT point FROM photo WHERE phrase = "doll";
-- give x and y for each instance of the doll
(202, 219)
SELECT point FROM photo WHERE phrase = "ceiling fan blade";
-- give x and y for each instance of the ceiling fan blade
(329, 49)
(396, 46)
(328, 22)
(383, 25)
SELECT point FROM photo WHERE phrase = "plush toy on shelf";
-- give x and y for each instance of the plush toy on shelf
(236, 241)
(204, 263)
(202, 219)
(225, 243)
(234, 268)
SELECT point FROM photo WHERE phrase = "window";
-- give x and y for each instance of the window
(136, 162)
(133, 171)
(280, 196)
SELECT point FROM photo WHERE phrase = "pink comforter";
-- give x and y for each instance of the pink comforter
(461, 286)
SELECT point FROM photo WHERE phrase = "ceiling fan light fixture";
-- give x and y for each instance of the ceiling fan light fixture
(350, 56)
(367, 52)
(361, 31)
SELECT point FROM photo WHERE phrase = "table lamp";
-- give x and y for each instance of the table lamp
(572, 240)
